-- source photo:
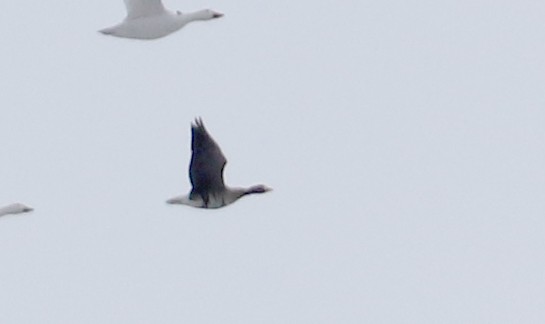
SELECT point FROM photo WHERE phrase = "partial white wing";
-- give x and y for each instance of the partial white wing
(143, 8)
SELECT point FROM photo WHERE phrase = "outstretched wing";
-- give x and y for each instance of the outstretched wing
(207, 162)
(143, 8)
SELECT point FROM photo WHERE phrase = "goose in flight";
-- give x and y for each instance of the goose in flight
(148, 19)
(15, 209)
(206, 174)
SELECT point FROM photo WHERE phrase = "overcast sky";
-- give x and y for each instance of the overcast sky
(403, 139)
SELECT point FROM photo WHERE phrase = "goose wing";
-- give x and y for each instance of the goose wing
(142, 8)
(207, 162)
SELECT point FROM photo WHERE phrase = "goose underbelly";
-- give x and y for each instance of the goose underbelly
(147, 28)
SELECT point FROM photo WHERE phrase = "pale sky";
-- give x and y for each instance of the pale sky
(403, 140)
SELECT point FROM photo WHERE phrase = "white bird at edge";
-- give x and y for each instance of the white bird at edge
(206, 174)
(16, 208)
(148, 19)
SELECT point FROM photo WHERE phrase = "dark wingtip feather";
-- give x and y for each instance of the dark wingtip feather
(200, 137)
(198, 123)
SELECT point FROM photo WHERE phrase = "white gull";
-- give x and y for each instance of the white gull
(148, 19)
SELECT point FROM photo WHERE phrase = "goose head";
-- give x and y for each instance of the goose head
(20, 208)
(213, 14)
(25, 209)
(16, 208)
(258, 189)
(205, 14)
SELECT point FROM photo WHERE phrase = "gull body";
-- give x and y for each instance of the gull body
(206, 174)
(16, 208)
(148, 19)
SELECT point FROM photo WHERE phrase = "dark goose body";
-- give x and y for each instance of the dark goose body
(206, 174)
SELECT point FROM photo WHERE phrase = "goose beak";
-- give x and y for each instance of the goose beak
(217, 15)
(28, 209)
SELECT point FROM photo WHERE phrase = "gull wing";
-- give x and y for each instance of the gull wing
(143, 8)
(207, 162)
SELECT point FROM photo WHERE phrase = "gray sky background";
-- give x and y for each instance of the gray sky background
(404, 141)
